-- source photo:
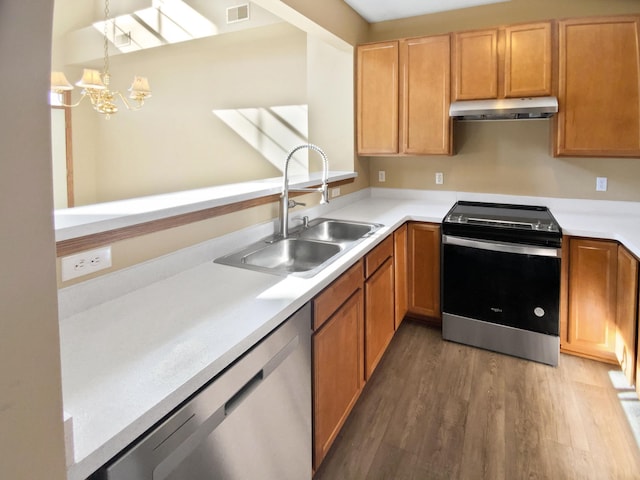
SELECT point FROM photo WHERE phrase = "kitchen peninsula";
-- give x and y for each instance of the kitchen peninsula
(128, 361)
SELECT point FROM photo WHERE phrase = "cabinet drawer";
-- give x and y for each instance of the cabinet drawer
(327, 302)
(378, 256)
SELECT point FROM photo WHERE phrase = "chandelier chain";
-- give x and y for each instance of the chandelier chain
(106, 40)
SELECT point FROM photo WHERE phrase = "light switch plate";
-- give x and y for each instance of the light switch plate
(601, 184)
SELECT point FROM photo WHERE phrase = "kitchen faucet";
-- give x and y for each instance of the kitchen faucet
(285, 203)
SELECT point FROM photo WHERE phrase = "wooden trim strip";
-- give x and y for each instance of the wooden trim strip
(95, 240)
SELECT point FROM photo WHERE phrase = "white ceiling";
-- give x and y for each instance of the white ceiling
(381, 10)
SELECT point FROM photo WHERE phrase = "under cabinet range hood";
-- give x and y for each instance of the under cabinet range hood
(504, 108)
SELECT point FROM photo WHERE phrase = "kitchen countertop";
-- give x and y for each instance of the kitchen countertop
(128, 361)
(100, 217)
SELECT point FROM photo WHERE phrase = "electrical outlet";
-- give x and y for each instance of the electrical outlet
(601, 184)
(439, 178)
(382, 176)
(335, 192)
(85, 263)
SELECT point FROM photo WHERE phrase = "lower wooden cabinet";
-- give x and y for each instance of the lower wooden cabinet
(424, 270)
(591, 327)
(602, 289)
(627, 312)
(338, 357)
(379, 304)
(354, 320)
(400, 264)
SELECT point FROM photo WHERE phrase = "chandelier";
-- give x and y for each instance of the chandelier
(95, 85)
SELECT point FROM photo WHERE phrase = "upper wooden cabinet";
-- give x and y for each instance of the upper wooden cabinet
(403, 96)
(425, 96)
(476, 65)
(514, 61)
(599, 89)
(377, 98)
(528, 60)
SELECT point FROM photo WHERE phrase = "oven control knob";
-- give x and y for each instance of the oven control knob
(539, 312)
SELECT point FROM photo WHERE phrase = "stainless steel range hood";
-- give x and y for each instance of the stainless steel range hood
(504, 108)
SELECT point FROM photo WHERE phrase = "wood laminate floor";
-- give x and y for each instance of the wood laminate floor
(439, 410)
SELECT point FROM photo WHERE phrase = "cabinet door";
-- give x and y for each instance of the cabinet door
(627, 302)
(424, 270)
(527, 60)
(599, 89)
(338, 372)
(591, 328)
(425, 95)
(476, 65)
(400, 273)
(377, 98)
(379, 315)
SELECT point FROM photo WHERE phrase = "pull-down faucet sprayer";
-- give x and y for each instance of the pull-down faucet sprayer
(285, 203)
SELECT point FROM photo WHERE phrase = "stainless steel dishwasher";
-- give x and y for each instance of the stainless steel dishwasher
(253, 421)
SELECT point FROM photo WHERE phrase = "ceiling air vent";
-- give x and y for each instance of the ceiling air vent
(238, 13)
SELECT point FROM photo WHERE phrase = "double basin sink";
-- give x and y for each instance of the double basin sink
(305, 252)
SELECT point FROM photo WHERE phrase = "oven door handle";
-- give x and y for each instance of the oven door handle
(502, 247)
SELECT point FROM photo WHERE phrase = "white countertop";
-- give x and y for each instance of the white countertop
(101, 217)
(129, 361)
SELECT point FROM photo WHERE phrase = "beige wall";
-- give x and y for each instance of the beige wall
(31, 434)
(176, 142)
(511, 157)
(335, 16)
(508, 157)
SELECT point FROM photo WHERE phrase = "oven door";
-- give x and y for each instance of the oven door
(506, 284)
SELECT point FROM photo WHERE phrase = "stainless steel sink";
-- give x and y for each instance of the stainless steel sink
(292, 255)
(337, 231)
(305, 252)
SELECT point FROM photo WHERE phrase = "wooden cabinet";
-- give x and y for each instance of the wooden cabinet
(528, 60)
(424, 270)
(400, 273)
(379, 303)
(627, 311)
(377, 98)
(403, 95)
(475, 64)
(425, 127)
(602, 286)
(514, 61)
(599, 87)
(338, 353)
(591, 328)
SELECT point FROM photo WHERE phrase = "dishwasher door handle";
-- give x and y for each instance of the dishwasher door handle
(243, 393)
